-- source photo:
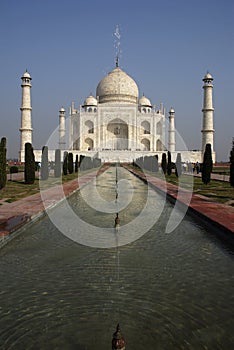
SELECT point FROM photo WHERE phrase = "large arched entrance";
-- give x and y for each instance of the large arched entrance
(117, 135)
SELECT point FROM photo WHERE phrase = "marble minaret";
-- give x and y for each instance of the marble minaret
(62, 129)
(208, 113)
(171, 131)
(26, 111)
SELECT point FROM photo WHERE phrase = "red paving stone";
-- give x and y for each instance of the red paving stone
(220, 214)
(16, 214)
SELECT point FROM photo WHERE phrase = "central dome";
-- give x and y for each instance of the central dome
(117, 86)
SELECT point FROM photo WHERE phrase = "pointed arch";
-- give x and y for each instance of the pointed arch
(89, 143)
(159, 128)
(145, 144)
(90, 127)
(145, 127)
(159, 145)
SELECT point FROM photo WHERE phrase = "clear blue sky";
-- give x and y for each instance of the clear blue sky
(167, 47)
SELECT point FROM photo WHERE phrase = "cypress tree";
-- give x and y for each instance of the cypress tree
(65, 163)
(207, 164)
(3, 175)
(76, 164)
(178, 170)
(82, 162)
(232, 165)
(164, 163)
(70, 163)
(44, 164)
(29, 167)
(156, 163)
(168, 163)
(57, 166)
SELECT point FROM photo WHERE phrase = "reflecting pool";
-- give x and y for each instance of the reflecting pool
(167, 290)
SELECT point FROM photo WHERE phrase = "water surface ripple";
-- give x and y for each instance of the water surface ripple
(168, 291)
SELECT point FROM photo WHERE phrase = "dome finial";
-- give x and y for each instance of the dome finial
(117, 44)
(117, 61)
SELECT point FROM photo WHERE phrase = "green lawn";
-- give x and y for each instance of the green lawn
(15, 190)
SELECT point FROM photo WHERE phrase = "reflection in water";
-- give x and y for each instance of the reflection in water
(168, 291)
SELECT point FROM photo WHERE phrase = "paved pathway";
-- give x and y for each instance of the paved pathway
(220, 214)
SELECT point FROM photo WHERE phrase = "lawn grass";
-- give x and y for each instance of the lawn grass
(17, 189)
(220, 191)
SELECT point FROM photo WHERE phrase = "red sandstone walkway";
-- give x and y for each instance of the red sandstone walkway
(220, 214)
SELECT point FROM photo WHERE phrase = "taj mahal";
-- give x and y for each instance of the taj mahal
(117, 125)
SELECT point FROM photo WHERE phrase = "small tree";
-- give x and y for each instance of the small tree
(76, 164)
(207, 164)
(232, 165)
(65, 163)
(29, 167)
(70, 164)
(164, 163)
(3, 175)
(44, 163)
(168, 163)
(178, 170)
(57, 166)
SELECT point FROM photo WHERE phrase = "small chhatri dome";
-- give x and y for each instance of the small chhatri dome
(144, 101)
(208, 76)
(62, 109)
(117, 86)
(172, 111)
(90, 101)
(26, 75)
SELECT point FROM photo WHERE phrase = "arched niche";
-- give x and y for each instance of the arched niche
(145, 144)
(159, 145)
(89, 143)
(90, 126)
(145, 127)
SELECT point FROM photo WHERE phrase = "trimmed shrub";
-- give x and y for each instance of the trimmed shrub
(29, 167)
(70, 164)
(178, 169)
(169, 167)
(207, 165)
(3, 175)
(57, 166)
(82, 162)
(232, 165)
(44, 163)
(76, 164)
(65, 163)
(14, 169)
(164, 163)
